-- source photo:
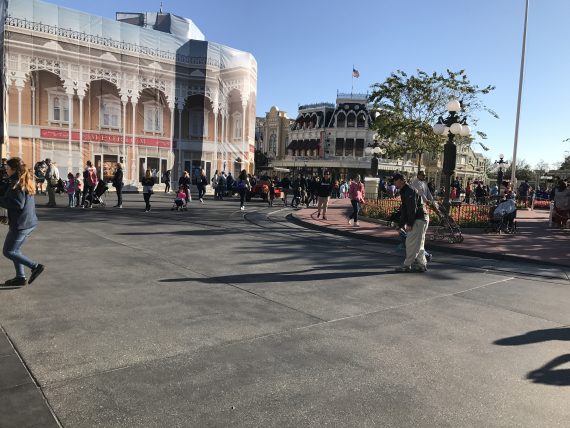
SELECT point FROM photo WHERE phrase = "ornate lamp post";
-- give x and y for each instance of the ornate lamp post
(500, 173)
(376, 151)
(451, 126)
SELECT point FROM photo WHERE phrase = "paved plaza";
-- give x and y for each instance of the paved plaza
(217, 317)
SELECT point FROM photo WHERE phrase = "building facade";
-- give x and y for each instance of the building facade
(276, 133)
(333, 137)
(146, 90)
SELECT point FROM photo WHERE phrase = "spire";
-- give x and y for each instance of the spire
(160, 7)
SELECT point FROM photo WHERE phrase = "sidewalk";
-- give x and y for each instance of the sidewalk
(534, 241)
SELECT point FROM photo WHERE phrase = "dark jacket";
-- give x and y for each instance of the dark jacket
(325, 188)
(412, 206)
(201, 181)
(184, 181)
(21, 207)
(118, 178)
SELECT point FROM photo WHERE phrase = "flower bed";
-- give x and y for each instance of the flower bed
(465, 215)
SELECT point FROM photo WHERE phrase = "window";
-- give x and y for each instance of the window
(351, 120)
(237, 126)
(359, 147)
(341, 120)
(59, 107)
(361, 121)
(339, 150)
(196, 123)
(152, 117)
(110, 112)
(349, 147)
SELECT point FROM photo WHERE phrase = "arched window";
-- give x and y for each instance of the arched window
(238, 126)
(341, 120)
(361, 121)
(351, 120)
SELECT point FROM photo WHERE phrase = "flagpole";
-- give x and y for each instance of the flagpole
(352, 84)
(521, 78)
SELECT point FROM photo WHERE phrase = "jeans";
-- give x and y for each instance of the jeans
(71, 197)
(87, 190)
(12, 245)
(119, 195)
(242, 193)
(77, 197)
(146, 197)
(166, 187)
(201, 192)
(355, 209)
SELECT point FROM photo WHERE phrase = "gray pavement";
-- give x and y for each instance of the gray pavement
(215, 317)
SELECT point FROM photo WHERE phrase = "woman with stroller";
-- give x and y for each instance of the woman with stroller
(184, 183)
(18, 199)
(561, 199)
(118, 184)
(147, 183)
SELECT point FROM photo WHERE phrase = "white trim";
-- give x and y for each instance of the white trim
(158, 114)
(59, 94)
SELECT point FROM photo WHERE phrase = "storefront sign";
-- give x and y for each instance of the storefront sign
(57, 134)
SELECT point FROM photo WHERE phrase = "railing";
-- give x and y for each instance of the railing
(316, 105)
(84, 37)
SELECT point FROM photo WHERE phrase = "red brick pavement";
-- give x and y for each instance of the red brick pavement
(533, 242)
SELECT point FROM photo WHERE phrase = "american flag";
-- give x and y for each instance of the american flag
(355, 72)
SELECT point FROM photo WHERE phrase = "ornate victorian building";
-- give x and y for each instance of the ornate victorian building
(276, 133)
(146, 90)
(334, 136)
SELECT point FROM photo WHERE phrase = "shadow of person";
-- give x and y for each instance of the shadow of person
(535, 336)
(547, 376)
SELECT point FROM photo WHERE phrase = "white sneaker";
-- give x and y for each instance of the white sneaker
(242, 208)
(350, 221)
(201, 201)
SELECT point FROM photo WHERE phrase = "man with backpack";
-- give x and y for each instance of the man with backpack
(89, 183)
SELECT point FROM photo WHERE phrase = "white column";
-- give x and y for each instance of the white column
(7, 136)
(33, 89)
(180, 161)
(124, 101)
(244, 108)
(81, 98)
(70, 146)
(20, 88)
(134, 101)
(172, 107)
(215, 138)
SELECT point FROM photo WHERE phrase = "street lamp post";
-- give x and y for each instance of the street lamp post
(451, 126)
(376, 151)
(500, 173)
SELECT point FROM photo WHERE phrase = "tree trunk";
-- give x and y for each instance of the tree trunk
(419, 161)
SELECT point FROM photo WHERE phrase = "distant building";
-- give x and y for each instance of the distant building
(333, 137)
(276, 133)
(469, 166)
(259, 128)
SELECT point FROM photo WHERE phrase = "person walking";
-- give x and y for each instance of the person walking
(147, 183)
(117, 183)
(89, 183)
(201, 183)
(214, 183)
(324, 191)
(184, 183)
(244, 187)
(221, 186)
(356, 195)
(166, 179)
(78, 189)
(71, 188)
(413, 220)
(18, 199)
(52, 177)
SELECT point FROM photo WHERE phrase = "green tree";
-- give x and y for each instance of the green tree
(523, 172)
(260, 159)
(566, 163)
(406, 108)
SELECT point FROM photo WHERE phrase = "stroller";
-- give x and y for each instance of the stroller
(98, 195)
(448, 230)
(181, 201)
(502, 218)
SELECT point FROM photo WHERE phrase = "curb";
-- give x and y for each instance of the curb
(444, 249)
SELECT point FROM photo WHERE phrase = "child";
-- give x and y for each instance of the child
(78, 188)
(71, 188)
(180, 198)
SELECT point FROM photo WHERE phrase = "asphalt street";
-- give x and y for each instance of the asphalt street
(217, 317)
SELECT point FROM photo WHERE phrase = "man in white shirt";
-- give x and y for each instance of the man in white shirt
(420, 185)
(52, 177)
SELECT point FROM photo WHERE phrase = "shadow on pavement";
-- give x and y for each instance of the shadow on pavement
(545, 374)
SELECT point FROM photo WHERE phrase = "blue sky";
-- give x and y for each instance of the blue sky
(305, 52)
